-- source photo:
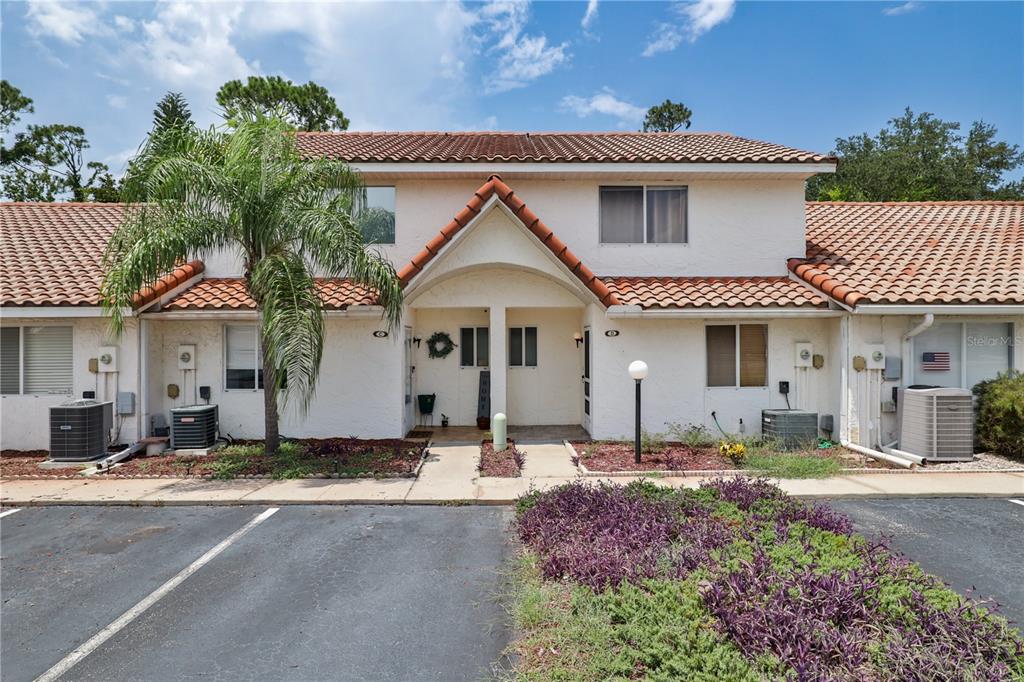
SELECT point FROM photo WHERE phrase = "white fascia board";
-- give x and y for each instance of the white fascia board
(454, 167)
(975, 309)
(43, 311)
(356, 311)
(636, 312)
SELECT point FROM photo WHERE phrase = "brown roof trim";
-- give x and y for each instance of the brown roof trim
(168, 282)
(528, 218)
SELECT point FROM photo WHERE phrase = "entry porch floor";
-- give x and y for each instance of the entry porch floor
(460, 435)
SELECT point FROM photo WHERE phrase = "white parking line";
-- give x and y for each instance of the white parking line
(1020, 502)
(9, 512)
(134, 612)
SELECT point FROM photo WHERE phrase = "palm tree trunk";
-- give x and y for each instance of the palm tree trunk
(272, 438)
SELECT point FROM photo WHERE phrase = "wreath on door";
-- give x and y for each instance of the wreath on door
(440, 345)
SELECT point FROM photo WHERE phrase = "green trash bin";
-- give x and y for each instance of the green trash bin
(426, 402)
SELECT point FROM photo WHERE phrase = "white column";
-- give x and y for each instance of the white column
(499, 365)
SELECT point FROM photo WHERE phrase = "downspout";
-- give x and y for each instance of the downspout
(844, 412)
(143, 384)
(927, 322)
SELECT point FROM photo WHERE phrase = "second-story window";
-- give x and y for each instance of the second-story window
(638, 214)
(376, 218)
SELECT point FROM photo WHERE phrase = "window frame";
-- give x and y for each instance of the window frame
(643, 208)
(257, 365)
(394, 235)
(476, 347)
(21, 361)
(738, 356)
(522, 349)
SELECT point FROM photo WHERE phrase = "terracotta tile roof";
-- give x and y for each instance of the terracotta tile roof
(617, 147)
(231, 294)
(518, 207)
(915, 252)
(712, 292)
(51, 254)
(180, 275)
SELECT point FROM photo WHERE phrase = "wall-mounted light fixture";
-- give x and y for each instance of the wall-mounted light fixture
(612, 333)
(578, 338)
(380, 334)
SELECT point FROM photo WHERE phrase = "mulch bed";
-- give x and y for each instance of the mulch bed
(616, 457)
(505, 464)
(321, 458)
(26, 463)
(610, 456)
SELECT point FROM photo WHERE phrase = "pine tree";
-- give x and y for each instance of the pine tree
(170, 111)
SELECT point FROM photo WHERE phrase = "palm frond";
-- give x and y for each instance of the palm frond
(292, 318)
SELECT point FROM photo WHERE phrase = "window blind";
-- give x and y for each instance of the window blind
(240, 356)
(721, 355)
(753, 355)
(10, 360)
(49, 360)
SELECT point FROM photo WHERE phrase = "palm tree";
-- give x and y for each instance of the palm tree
(192, 193)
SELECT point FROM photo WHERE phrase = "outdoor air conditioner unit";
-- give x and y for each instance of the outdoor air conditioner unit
(937, 423)
(79, 430)
(194, 427)
(792, 428)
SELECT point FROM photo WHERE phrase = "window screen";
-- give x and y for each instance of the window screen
(530, 341)
(622, 215)
(49, 359)
(483, 347)
(666, 215)
(10, 360)
(721, 355)
(475, 347)
(240, 356)
(753, 355)
(376, 219)
(522, 346)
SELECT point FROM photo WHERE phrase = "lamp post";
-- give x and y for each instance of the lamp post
(638, 370)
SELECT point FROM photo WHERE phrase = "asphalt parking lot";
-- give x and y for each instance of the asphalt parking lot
(304, 593)
(969, 543)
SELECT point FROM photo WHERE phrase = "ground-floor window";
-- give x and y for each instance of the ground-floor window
(960, 354)
(474, 347)
(36, 360)
(243, 368)
(522, 346)
(737, 355)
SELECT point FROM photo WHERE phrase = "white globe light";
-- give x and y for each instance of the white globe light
(638, 369)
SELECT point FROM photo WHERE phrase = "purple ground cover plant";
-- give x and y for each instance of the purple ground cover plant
(788, 583)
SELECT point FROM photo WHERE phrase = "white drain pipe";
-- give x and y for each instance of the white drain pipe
(875, 454)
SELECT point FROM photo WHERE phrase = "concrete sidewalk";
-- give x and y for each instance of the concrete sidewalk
(457, 484)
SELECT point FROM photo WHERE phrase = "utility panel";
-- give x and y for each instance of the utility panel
(875, 355)
(107, 359)
(186, 356)
(804, 355)
(125, 403)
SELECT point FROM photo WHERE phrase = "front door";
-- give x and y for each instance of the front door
(409, 409)
(588, 397)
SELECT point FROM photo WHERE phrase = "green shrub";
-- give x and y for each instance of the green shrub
(1000, 423)
(691, 435)
(651, 443)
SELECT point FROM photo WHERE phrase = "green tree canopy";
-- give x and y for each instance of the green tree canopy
(306, 107)
(196, 192)
(667, 117)
(921, 158)
(47, 162)
(171, 110)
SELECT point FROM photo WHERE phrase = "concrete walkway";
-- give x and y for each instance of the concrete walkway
(450, 476)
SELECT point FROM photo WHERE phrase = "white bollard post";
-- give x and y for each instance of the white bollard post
(499, 431)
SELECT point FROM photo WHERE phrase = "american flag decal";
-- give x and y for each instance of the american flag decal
(935, 362)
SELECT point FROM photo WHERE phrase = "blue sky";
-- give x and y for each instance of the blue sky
(797, 73)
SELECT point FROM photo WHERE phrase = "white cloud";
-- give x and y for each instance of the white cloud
(696, 19)
(606, 103)
(522, 58)
(117, 101)
(67, 22)
(901, 9)
(590, 16)
(123, 23)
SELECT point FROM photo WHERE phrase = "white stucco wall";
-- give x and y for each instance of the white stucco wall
(359, 391)
(889, 331)
(676, 391)
(743, 226)
(24, 419)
